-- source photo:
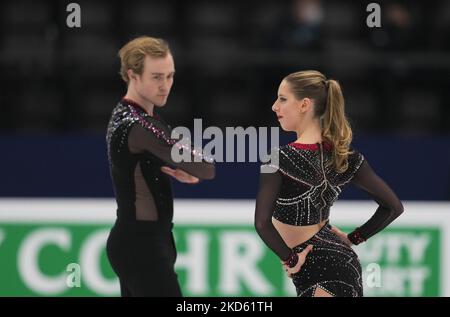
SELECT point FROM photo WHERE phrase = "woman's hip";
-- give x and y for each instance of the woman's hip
(331, 262)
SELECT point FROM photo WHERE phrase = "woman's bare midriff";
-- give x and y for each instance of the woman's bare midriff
(295, 235)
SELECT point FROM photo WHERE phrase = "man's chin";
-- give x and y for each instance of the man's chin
(160, 105)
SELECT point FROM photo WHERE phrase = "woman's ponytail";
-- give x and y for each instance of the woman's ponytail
(335, 126)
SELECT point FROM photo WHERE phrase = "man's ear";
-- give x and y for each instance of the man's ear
(131, 74)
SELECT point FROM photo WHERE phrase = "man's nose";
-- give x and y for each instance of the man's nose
(164, 86)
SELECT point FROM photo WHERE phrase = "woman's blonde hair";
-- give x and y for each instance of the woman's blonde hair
(329, 107)
(132, 54)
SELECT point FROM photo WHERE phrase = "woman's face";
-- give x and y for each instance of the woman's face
(288, 108)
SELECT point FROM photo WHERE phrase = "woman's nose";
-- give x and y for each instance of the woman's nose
(274, 107)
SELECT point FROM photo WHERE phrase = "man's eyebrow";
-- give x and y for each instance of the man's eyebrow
(173, 72)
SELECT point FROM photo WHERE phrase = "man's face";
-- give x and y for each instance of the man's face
(156, 80)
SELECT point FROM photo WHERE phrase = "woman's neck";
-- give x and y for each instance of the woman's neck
(310, 134)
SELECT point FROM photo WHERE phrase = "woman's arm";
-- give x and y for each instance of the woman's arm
(390, 207)
(269, 187)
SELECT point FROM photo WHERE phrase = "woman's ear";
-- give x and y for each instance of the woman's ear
(304, 105)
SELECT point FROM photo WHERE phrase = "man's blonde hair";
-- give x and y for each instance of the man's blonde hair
(132, 54)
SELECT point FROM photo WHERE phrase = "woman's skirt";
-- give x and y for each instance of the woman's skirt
(331, 266)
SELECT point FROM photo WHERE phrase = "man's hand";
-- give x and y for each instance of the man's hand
(180, 175)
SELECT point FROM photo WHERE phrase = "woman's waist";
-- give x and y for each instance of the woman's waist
(295, 235)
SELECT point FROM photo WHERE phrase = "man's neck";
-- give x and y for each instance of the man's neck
(148, 106)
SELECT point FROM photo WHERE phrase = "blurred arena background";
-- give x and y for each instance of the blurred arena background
(59, 84)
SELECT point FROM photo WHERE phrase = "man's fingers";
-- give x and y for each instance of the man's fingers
(179, 172)
(192, 180)
(186, 177)
(167, 170)
(180, 175)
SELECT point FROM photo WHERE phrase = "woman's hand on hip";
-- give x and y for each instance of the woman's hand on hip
(290, 271)
(342, 235)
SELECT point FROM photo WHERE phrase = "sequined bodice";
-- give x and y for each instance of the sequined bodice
(138, 146)
(309, 187)
(142, 191)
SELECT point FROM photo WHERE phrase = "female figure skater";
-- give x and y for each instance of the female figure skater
(294, 198)
(140, 246)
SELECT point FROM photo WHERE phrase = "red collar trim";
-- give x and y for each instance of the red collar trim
(312, 147)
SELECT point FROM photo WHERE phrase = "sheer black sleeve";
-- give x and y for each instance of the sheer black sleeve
(269, 187)
(143, 139)
(390, 207)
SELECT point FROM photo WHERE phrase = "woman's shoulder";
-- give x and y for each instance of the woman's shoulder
(284, 158)
(276, 152)
(355, 154)
(355, 160)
